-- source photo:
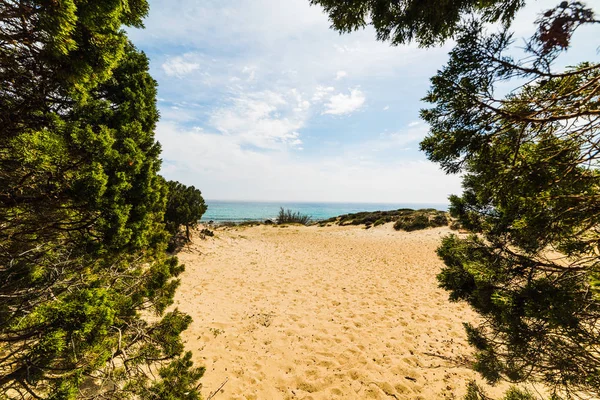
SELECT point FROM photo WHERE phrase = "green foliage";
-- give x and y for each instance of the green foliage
(427, 22)
(422, 219)
(404, 218)
(82, 241)
(531, 189)
(290, 217)
(59, 50)
(207, 232)
(185, 207)
(176, 380)
(475, 392)
(380, 221)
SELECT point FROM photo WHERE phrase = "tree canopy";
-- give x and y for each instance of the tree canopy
(426, 22)
(531, 190)
(185, 207)
(85, 281)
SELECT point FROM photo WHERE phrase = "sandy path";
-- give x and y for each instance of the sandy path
(323, 313)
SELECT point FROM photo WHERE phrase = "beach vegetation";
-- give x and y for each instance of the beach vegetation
(207, 233)
(249, 223)
(411, 223)
(82, 240)
(185, 207)
(528, 154)
(241, 224)
(421, 219)
(226, 224)
(403, 218)
(380, 221)
(287, 216)
(476, 392)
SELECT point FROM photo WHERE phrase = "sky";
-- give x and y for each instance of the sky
(260, 100)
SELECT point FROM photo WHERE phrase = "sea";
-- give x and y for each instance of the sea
(239, 211)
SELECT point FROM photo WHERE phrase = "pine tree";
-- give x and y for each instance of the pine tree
(185, 207)
(531, 191)
(85, 281)
(426, 22)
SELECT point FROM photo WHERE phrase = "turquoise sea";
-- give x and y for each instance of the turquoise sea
(237, 211)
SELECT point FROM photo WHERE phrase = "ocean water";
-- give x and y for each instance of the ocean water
(238, 211)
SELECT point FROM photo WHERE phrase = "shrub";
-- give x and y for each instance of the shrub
(207, 232)
(248, 223)
(228, 224)
(438, 220)
(405, 218)
(455, 225)
(379, 222)
(185, 207)
(411, 223)
(290, 217)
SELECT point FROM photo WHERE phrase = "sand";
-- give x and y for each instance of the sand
(323, 313)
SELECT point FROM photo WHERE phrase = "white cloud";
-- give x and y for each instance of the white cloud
(250, 72)
(252, 120)
(265, 120)
(340, 74)
(321, 92)
(341, 104)
(257, 98)
(179, 67)
(225, 169)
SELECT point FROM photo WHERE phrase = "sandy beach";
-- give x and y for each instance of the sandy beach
(323, 313)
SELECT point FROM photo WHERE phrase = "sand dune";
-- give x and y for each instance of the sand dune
(323, 313)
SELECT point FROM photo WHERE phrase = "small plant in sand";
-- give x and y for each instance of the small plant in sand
(216, 331)
(287, 216)
(207, 233)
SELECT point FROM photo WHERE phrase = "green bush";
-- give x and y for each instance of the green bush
(412, 223)
(185, 207)
(455, 225)
(207, 232)
(405, 218)
(290, 217)
(438, 220)
(475, 392)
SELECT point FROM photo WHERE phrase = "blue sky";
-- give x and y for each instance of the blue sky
(260, 100)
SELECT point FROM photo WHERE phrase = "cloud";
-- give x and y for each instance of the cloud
(226, 169)
(177, 66)
(341, 104)
(321, 92)
(246, 113)
(264, 120)
(250, 72)
(340, 74)
(386, 108)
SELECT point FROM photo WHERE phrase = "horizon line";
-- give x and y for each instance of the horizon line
(325, 201)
